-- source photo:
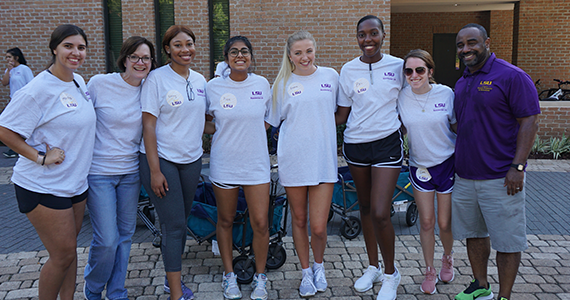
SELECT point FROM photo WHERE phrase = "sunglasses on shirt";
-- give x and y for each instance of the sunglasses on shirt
(419, 71)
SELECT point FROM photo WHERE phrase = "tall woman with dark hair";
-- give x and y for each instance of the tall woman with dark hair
(17, 75)
(174, 105)
(369, 87)
(240, 104)
(114, 182)
(51, 123)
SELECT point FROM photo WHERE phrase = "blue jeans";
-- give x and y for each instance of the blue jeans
(112, 204)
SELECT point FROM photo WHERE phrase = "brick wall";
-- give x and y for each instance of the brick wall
(268, 23)
(544, 40)
(501, 33)
(554, 120)
(28, 24)
(415, 30)
(138, 19)
(194, 14)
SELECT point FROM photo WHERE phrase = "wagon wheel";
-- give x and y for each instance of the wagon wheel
(244, 268)
(412, 214)
(351, 228)
(276, 256)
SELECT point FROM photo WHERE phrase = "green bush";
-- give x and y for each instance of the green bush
(558, 146)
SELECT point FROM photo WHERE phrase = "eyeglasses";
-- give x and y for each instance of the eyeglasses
(189, 91)
(235, 52)
(419, 71)
(135, 59)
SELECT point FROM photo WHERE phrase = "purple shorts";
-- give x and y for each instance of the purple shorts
(438, 178)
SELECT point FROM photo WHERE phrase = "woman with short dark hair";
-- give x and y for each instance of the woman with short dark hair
(114, 182)
(51, 123)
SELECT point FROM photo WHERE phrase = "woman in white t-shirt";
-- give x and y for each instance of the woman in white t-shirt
(240, 104)
(426, 110)
(369, 87)
(114, 183)
(51, 123)
(17, 75)
(174, 108)
(304, 98)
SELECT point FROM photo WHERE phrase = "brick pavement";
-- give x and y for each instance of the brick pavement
(544, 272)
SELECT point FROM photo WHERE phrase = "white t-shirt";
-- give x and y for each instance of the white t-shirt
(239, 153)
(372, 96)
(119, 125)
(222, 69)
(430, 137)
(19, 77)
(307, 149)
(48, 110)
(180, 122)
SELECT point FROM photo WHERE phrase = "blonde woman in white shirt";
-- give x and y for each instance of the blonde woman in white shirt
(304, 98)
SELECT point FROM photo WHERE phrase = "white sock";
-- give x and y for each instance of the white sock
(307, 271)
(317, 265)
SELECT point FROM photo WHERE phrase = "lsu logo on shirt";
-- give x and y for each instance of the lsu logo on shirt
(174, 98)
(256, 95)
(361, 86)
(201, 92)
(389, 76)
(439, 107)
(67, 100)
(326, 87)
(295, 89)
(485, 86)
(228, 101)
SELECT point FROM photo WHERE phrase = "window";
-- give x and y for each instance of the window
(219, 16)
(113, 33)
(164, 18)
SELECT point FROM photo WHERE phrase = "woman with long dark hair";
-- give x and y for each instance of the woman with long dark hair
(51, 123)
(240, 103)
(17, 75)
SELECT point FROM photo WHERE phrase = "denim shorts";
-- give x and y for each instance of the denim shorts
(482, 208)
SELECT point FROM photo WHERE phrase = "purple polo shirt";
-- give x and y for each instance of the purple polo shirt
(487, 105)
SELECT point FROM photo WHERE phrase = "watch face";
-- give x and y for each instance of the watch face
(520, 167)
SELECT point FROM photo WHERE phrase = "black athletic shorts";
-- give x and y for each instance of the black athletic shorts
(28, 200)
(386, 152)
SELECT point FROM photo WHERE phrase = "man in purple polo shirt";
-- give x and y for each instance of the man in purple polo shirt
(497, 109)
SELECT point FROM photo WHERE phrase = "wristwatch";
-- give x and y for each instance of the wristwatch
(518, 167)
(41, 158)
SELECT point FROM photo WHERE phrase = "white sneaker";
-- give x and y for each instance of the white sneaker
(389, 286)
(319, 279)
(258, 285)
(371, 276)
(230, 286)
(307, 287)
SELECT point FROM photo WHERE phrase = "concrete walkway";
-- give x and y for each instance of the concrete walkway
(544, 272)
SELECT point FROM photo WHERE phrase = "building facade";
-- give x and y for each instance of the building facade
(534, 35)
